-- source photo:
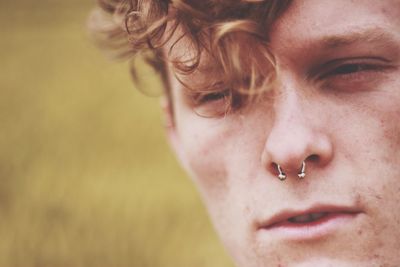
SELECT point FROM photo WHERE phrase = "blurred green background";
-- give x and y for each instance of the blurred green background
(86, 176)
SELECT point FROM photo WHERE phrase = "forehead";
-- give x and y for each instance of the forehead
(334, 23)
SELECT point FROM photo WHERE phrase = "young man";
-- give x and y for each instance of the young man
(286, 116)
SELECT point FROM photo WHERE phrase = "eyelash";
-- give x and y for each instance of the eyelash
(212, 104)
(351, 69)
(210, 97)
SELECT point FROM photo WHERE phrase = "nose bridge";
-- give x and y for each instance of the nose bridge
(288, 104)
(288, 109)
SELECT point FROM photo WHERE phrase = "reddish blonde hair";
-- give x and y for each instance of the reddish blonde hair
(216, 28)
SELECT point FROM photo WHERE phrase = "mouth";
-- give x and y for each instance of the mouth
(310, 223)
(307, 218)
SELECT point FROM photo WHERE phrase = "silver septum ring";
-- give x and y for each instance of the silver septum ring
(282, 176)
(301, 174)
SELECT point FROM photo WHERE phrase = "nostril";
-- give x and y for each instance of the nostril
(273, 168)
(313, 158)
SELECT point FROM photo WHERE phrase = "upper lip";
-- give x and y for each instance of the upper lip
(285, 214)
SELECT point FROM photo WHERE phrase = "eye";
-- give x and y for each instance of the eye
(352, 74)
(213, 104)
(211, 97)
(347, 69)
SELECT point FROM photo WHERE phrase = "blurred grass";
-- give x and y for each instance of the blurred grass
(86, 177)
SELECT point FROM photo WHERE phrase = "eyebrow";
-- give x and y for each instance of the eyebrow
(369, 35)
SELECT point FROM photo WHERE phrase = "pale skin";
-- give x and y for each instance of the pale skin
(336, 105)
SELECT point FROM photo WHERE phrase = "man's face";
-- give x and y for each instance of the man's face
(336, 106)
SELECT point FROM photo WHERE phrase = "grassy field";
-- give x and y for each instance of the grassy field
(86, 176)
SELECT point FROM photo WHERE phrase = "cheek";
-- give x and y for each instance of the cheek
(205, 144)
(366, 129)
(372, 147)
(222, 154)
(384, 131)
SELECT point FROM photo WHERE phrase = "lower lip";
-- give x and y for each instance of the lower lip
(312, 230)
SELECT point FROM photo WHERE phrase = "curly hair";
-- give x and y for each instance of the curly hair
(221, 29)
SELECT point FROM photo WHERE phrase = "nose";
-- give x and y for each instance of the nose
(298, 135)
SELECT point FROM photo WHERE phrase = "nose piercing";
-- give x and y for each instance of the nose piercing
(302, 173)
(282, 175)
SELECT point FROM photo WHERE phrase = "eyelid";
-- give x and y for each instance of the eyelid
(200, 98)
(212, 108)
(323, 70)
